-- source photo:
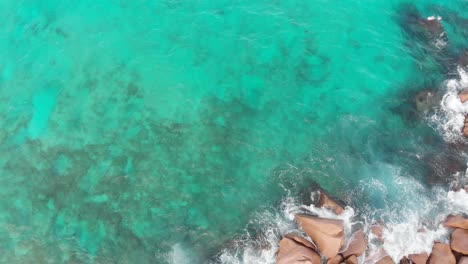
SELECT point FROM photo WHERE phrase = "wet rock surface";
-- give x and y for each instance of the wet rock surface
(301, 240)
(377, 231)
(357, 245)
(420, 258)
(456, 221)
(441, 253)
(292, 252)
(459, 241)
(385, 260)
(327, 234)
(326, 201)
(463, 260)
(352, 260)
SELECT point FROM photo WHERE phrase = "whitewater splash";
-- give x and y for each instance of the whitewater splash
(449, 118)
(277, 224)
(416, 234)
(408, 227)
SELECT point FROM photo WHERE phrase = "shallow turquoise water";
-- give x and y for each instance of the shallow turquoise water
(131, 126)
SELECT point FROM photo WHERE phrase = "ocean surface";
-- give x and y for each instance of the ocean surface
(173, 131)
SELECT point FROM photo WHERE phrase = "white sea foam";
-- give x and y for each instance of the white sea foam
(178, 255)
(458, 201)
(278, 224)
(449, 118)
(415, 233)
(440, 42)
(434, 17)
(414, 236)
(402, 239)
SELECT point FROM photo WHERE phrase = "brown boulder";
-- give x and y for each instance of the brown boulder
(465, 127)
(336, 259)
(385, 260)
(465, 131)
(352, 260)
(420, 258)
(456, 221)
(327, 234)
(441, 253)
(405, 260)
(459, 241)
(356, 246)
(291, 251)
(463, 260)
(301, 240)
(326, 202)
(377, 230)
(463, 95)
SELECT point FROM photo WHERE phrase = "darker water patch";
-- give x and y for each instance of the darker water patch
(441, 166)
(417, 100)
(458, 23)
(425, 39)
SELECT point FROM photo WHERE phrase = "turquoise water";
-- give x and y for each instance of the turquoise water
(129, 127)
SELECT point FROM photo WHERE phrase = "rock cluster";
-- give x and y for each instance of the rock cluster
(326, 241)
(327, 236)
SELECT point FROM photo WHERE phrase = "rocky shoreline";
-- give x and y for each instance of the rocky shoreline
(324, 239)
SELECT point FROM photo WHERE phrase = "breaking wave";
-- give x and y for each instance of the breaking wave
(449, 118)
(415, 233)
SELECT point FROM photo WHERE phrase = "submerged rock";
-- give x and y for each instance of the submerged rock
(356, 246)
(441, 253)
(443, 165)
(327, 234)
(417, 103)
(463, 59)
(459, 241)
(326, 202)
(426, 100)
(456, 221)
(291, 251)
(428, 29)
(416, 25)
(431, 27)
